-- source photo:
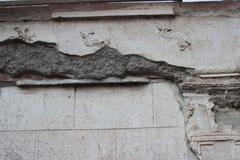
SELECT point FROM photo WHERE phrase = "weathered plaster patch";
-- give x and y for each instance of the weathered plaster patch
(89, 40)
(18, 58)
(180, 38)
(25, 34)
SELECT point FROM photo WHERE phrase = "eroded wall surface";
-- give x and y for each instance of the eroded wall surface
(156, 88)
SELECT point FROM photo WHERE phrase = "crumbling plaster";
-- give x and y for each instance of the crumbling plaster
(19, 58)
(156, 48)
(211, 117)
(188, 42)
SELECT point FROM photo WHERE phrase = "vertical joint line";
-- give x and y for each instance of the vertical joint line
(146, 143)
(74, 107)
(35, 144)
(44, 106)
(116, 145)
(153, 105)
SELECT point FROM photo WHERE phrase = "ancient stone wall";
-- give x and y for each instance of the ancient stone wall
(120, 86)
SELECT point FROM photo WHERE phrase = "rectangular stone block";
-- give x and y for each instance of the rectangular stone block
(124, 144)
(217, 151)
(114, 107)
(75, 145)
(236, 152)
(167, 108)
(151, 144)
(17, 145)
(166, 144)
(21, 110)
(131, 144)
(38, 108)
(59, 108)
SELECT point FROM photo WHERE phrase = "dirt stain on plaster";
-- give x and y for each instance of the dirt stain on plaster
(179, 38)
(185, 45)
(13, 156)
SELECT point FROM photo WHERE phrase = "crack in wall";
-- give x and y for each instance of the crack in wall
(18, 58)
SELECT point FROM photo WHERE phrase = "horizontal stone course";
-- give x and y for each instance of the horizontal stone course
(110, 107)
(123, 144)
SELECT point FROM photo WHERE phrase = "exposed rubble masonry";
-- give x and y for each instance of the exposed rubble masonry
(18, 58)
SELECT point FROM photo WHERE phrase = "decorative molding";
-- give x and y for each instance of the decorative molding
(131, 11)
(47, 11)
(204, 98)
(84, 82)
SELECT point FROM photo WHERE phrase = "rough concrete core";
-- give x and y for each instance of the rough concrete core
(225, 99)
(18, 58)
(226, 106)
